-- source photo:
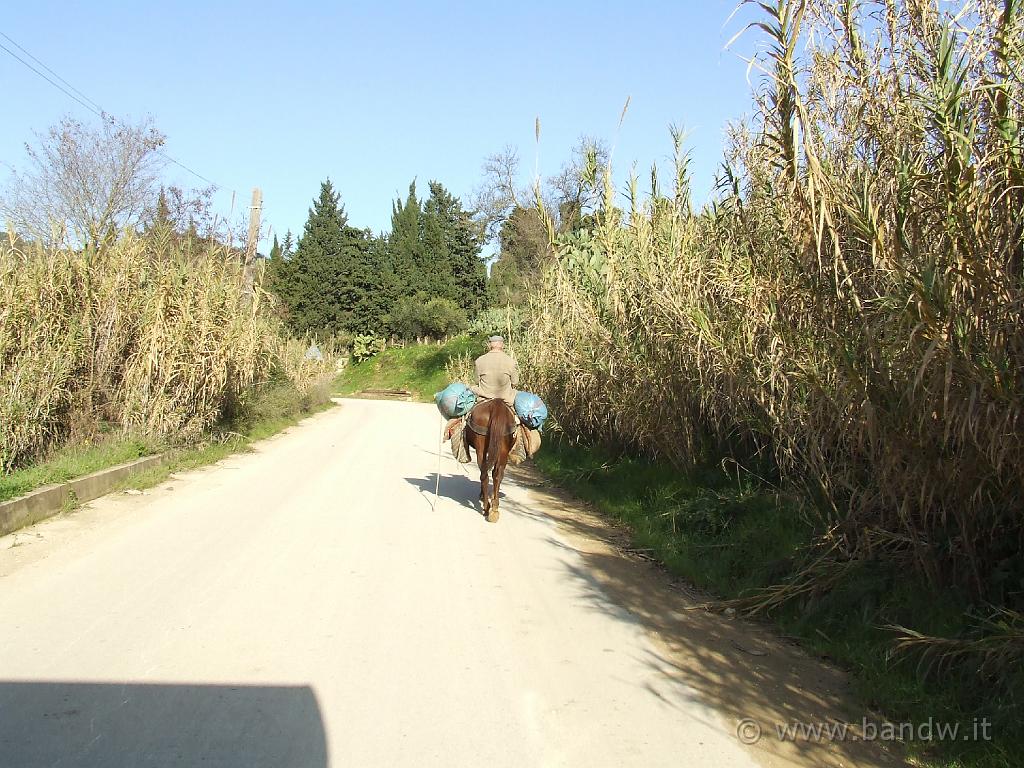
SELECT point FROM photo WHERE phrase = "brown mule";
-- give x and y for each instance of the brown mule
(491, 433)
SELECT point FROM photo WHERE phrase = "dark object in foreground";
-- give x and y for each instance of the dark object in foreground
(123, 724)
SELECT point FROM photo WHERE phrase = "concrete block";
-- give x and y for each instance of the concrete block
(51, 499)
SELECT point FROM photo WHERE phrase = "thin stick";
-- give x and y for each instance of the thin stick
(437, 484)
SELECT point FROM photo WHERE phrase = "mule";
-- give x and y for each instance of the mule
(490, 431)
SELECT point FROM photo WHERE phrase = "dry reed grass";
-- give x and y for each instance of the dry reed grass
(852, 302)
(147, 334)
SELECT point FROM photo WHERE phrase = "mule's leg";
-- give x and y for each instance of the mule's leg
(494, 512)
(499, 474)
(485, 501)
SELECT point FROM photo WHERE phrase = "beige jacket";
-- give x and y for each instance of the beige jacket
(497, 376)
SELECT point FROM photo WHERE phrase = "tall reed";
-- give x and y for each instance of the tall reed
(850, 304)
(146, 335)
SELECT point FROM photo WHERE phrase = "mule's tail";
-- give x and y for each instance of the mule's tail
(499, 425)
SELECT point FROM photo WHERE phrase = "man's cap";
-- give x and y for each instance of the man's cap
(495, 338)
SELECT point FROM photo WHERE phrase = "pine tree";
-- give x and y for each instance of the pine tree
(524, 250)
(435, 258)
(365, 264)
(387, 285)
(275, 278)
(332, 282)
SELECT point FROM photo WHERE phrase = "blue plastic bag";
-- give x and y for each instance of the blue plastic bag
(531, 410)
(455, 400)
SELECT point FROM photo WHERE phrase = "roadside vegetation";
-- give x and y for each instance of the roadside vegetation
(840, 333)
(139, 346)
(274, 408)
(129, 322)
(422, 369)
(731, 535)
(72, 461)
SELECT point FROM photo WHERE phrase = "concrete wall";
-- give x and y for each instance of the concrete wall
(48, 501)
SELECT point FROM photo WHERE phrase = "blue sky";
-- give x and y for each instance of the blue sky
(282, 95)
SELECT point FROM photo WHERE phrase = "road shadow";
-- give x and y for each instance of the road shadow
(115, 725)
(463, 490)
(738, 668)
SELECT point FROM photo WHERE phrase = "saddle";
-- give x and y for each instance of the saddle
(526, 445)
(483, 430)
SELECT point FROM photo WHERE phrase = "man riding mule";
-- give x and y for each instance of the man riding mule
(499, 423)
(492, 423)
(497, 374)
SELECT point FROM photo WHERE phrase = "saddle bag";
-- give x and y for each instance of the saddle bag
(526, 446)
(531, 410)
(455, 400)
(455, 433)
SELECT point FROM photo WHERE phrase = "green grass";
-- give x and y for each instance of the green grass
(75, 460)
(420, 369)
(732, 537)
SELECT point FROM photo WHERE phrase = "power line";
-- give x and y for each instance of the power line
(194, 173)
(70, 91)
(56, 85)
(41, 64)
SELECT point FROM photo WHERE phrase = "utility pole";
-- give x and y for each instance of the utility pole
(249, 270)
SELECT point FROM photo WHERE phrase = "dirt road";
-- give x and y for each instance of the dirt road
(303, 605)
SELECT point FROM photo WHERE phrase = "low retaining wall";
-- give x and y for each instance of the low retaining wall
(51, 499)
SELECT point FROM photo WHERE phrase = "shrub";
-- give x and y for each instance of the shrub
(415, 317)
(443, 318)
(507, 321)
(365, 346)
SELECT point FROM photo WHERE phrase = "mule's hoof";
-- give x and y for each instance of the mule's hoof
(492, 516)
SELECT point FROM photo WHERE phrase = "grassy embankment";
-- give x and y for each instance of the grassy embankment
(419, 369)
(273, 409)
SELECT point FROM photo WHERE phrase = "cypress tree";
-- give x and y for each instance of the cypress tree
(452, 238)
(340, 278)
(404, 243)
(323, 280)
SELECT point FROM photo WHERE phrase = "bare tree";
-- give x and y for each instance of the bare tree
(85, 182)
(186, 212)
(567, 196)
(498, 194)
(576, 188)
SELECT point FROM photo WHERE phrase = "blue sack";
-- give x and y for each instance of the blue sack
(455, 400)
(531, 410)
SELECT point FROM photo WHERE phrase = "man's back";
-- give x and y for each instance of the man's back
(497, 376)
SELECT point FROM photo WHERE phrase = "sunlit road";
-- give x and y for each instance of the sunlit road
(304, 605)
